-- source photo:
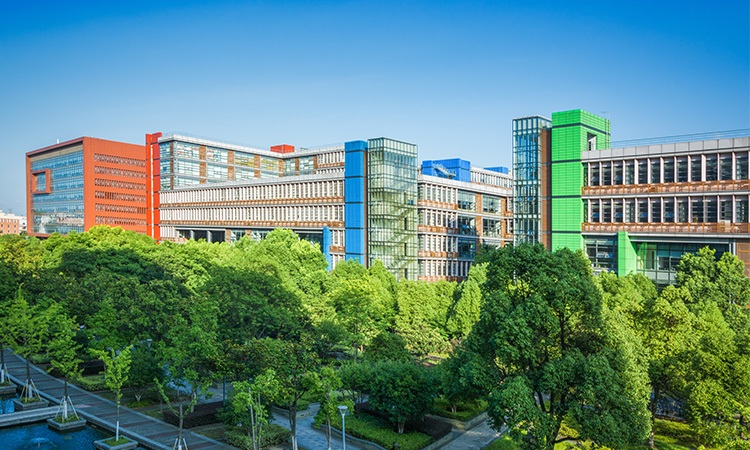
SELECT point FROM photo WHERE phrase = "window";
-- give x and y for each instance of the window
(695, 168)
(630, 172)
(725, 166)
(642, 172)
(669, 170)
(725, 214)
(740, 164)
(617, 170)
(682, 210)
(682, 169)
(606, 174)
(655, 210)
(643, 210)
(656, 170)
(696, 209)
(712, 167)
(668, 210)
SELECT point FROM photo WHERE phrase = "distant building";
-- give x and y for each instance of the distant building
(362, 200)
(633, 207)
(75, 185)
(12, 224)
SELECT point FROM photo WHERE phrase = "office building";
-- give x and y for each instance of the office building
(74, 185)
(12, 224)
(362, 200)
(634, 206)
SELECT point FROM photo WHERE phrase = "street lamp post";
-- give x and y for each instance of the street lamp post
(342, 410)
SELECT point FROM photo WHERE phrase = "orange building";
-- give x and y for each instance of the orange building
(75, 185)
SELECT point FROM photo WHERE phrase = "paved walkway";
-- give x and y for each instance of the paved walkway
(473, 439)
(149, 431)
(311, 438)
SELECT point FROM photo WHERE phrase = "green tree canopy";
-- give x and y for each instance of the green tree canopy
(543, 349)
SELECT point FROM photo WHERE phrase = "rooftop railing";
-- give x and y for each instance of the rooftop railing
(745, 132)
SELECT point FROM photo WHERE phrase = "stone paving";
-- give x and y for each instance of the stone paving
(149, 431)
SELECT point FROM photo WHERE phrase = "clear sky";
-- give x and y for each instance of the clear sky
(447, 76)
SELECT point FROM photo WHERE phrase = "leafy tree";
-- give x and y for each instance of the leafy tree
(361, 303)
(116, 371)
(144, 370)
(464, 312)
(188, 353)
(26, 334)
(325, 385)
(355, 379)
(403, 391)
(63, 352)
(387, 346)
(718, 388)
(543, 349)
(422, 314)
(250, 400)
(295, 364)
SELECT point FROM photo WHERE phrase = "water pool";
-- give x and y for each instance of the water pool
(37, 436)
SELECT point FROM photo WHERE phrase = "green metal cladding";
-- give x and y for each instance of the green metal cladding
(627, 259)
(572, 133)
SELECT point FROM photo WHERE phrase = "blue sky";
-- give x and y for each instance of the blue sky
(447, 76)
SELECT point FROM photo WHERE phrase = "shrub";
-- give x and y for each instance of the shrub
(465, 410)
(203, 414)
(381, 432)
(272, 434)
(92, 382)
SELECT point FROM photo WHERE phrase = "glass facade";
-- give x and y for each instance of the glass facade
(527, 153)
(392, 205)
(60, 210)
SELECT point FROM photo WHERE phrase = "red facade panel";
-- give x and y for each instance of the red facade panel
(283, 148)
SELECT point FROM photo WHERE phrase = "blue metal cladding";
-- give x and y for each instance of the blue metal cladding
(455, 168)
(499, 169)
(327, 247)
(355, 197)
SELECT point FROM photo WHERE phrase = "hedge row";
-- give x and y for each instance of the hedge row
(203, 414)
(272, 434)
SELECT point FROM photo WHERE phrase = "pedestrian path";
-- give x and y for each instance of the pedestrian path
(148, 431)
(475, 438)
(311, 438)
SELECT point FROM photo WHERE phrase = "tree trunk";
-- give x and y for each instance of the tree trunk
(328, 432)
(654, 405)
(293, 423)
(401, 425)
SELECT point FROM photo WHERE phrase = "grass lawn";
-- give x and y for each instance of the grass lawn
(668, 436)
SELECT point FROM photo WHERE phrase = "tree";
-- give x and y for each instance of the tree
(403, 391)
(355, 379)
(543, 349)
(27, 332)
(325, 384)
(464, 312)
(250, 400)
(63, 352)
(144, 370)
(422, 309)
(116, 371)
(718, 391)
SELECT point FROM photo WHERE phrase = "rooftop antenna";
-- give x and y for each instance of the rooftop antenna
(58, 141)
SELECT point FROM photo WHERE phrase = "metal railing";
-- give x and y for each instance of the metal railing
(745, 132)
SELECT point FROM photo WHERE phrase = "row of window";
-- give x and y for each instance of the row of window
(318, 213)
(101, 182)
(119, 209)
(492, 179)
(668, 210)
(117, 172)
(119, 221)
(119, 160)
(120, 197)
(668, 169)
(442, 268)
(315, 189)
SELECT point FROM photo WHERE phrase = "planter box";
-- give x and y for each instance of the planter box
(66, 426)
(7, 389)
(101, 445)
(21, 406)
